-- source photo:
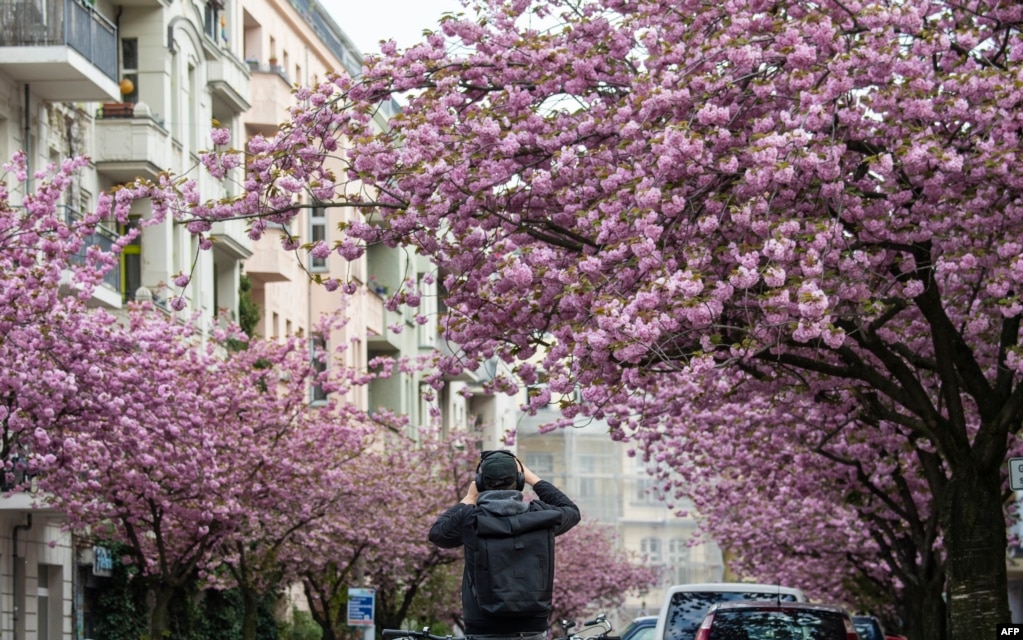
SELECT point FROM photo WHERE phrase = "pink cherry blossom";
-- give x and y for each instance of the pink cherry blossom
(559, 178)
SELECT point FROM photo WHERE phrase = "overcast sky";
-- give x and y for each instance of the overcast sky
(367, 22)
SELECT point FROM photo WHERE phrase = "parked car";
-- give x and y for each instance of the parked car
(776, 621)
(685, 605)
(868, 627)
(642, 628)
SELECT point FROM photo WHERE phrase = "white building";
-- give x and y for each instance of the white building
(135, 85)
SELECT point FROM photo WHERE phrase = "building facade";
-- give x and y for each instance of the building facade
(135, 86)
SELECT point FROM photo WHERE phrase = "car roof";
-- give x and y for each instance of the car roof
(732, 587)
(768, 604)
(645, 619)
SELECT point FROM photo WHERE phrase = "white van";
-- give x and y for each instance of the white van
(685, 605)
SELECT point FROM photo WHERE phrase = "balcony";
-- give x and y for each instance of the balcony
(268, 263)
(64, 50)
(110, 294)
(271, 99)
(228, 79)
(379, 337)
(231, 240)
(130, 144)
(34, 503)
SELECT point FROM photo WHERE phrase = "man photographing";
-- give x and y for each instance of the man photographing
(508, 546)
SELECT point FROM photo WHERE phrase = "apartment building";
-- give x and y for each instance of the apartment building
(299, 42)
(136, 86)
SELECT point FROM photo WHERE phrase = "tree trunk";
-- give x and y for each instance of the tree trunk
(159, 617)
(925, 616)
(250, 606)
(975, 542)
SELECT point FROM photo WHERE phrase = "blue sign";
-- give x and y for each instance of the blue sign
(102, 561)
(360, 606)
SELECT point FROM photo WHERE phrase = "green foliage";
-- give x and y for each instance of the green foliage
(221, 615)
(119, 610)
(217, 615)
(300, 627)
(248, 314)
(248, 310)
(431, 605)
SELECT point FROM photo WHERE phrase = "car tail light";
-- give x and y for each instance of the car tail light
(850, 631)
(704, 632)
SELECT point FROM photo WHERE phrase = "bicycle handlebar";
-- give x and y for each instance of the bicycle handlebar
(393, 634)
(601, 621)
(390, 634)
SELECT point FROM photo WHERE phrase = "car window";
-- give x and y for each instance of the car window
(778, 625)
(867, 629)
(688, 608)
(645, 632)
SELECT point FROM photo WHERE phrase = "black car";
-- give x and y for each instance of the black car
(751, 620)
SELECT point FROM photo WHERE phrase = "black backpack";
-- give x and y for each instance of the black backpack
(514, 569)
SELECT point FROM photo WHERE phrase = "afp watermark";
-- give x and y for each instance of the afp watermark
(1010, 631)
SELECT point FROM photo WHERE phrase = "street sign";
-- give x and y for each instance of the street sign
(1016, 474)
(102, 561)
(360, 606)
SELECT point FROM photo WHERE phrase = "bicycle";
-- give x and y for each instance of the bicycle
(391, 634)
(583, 633)
(600, 621)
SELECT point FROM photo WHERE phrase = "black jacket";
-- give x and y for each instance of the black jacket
(456, 527)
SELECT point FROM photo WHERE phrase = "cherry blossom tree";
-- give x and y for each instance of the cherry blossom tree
(824, 197)
(378, 535)
(849, 506)
(42, 257)
(309, 454)
(188, 453)
(138, 431)
(592, 574)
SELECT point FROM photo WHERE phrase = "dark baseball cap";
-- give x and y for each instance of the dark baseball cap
(499, 470)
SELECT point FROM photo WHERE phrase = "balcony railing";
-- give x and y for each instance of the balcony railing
(41, 23)
(103, 237)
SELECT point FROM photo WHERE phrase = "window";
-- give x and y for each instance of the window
(646, 491)
(318, 353)
(317, 233)
(193, 109)
(130, 68)
(541, 463)
(131, 261)
(587, 488)
(175, 91)
(49, 596)
(651, 548)
(679, 561)
(428, 308)
(212, 18)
